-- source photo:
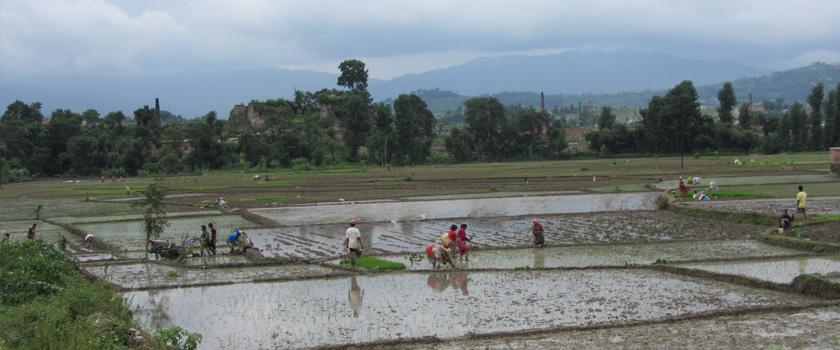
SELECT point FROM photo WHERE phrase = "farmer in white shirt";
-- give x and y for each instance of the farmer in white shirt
(353, 242)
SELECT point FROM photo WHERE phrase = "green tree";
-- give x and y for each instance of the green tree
(815, 101)
(744, 116)
(20, 111)
(459, 145)
(383, 138)
(727, 99)
(654, 135)
(832, 119)
(415, 125)
(206, 148)
(607, 118)
(90, 117)
(683, 111)
(114, 120)
(354, 113)
(353, 76)
(798, 128)
(485, 118)
(154, 212)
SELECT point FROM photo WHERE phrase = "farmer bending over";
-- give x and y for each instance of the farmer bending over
(353, 241)
(438, 255)
(539, 233)
(232, 239)
(785, 222)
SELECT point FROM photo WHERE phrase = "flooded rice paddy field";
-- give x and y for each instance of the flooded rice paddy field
(326, 241)
(816, 205)
(47, 232)
(150, 275)
(387, 307)
(129, 235)
(812, 328)
(781, 271)
(607, 255)
(458, 208)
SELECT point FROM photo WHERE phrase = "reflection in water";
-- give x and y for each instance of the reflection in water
(439, 281)
(356, 296)
(539, 258)
(460, 280)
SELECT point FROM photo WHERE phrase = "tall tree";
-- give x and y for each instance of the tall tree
(815, 101)
(654, 135)
(154, 212)
(382, 139)
(727, 99)
(744, 116)
(458, 144)
(833, 132)
(607, 118)
(20, 111)
(485, 118)
(90, 117)
(415, 125)
(797, 119)
(353, 76)
(354, 112)
(683, 110)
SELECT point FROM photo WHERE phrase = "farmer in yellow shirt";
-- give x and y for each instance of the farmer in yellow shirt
(801, 197)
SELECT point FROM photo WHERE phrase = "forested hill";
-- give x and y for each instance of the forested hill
(791, 85)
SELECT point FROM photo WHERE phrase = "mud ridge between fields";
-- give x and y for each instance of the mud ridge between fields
(808, 286)
(739, 311)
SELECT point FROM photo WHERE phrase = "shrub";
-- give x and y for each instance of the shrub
(301, 164)
(177, 338)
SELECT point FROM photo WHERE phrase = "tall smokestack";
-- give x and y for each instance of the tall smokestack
(157, 110)
(542, 102)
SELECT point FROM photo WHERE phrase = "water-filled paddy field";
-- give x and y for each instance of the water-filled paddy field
(607, 255)
(388, 307)
(458, 208)
(129, 234)
(778, 271)
(325, 241)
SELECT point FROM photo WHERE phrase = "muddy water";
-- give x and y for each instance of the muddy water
(129, 234)
(459, 208)
(804, 329)
(360, 309)
(154, 275)
(777, 271)
(607, 255)
(325, 241)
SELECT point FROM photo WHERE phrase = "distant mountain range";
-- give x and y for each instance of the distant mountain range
(791, 85)
(605, 77)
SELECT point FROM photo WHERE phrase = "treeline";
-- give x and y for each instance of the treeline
(674, 124)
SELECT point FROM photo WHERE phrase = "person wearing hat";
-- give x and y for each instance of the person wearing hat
(353, 241)
(233, 239)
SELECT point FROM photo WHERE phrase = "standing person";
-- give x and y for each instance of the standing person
(461, 240)
(204, 240)
(539, 233)
(447, 239)
(212, 245)
(32, 230)
(353, 242)
(801, 197)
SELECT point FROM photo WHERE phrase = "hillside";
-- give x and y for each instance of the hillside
(790, 85)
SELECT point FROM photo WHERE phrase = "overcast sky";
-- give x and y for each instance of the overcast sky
(394, 37)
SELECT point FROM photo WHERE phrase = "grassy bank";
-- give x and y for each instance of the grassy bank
(372, 262)
(46, 303)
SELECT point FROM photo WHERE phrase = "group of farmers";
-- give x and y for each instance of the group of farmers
(452, 243)
(237, 238)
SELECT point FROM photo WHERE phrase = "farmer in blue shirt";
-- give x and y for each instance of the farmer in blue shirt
(232, 239)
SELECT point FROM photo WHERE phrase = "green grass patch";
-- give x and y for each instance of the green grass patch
(738, 194)
(731, 216)
(828, 217)
(375, 263)
(622, 188)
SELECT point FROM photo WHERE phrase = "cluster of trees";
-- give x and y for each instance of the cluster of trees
(493, 132)
(296, 131)
(674, 124)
